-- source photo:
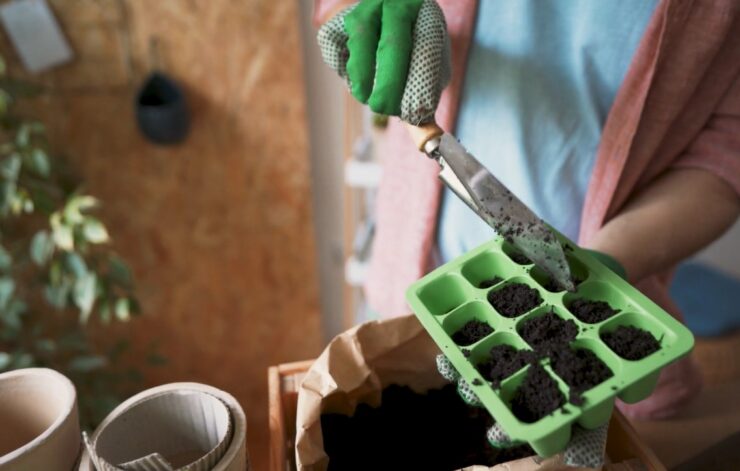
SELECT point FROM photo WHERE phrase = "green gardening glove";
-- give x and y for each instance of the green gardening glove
(394, 55)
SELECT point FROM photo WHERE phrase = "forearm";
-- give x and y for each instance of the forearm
(676, 216)
(324, 10)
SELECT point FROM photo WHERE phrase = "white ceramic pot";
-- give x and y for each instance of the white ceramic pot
(39, 423)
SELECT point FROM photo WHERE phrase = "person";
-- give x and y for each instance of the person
(616, 121)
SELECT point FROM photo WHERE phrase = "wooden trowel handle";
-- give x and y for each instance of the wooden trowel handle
(424, 133)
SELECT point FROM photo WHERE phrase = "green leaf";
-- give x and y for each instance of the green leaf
(57, 295)
(7, 195)
(11, 315)
(87, 363)
(42, 248)
(83, 295)
(123, 312)
(10, 167)
(76, 205)
(5, 360)
(27, 204)
(55, 273)
(94, 231)
(61, 233)
(75, 264)
(6, 261)
(23, 136)
(7, 287)
(63, 237)
(40, 162)
(85, 202)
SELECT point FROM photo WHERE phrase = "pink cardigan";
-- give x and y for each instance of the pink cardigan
(679, 106)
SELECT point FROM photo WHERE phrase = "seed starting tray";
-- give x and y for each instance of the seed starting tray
(449, 297)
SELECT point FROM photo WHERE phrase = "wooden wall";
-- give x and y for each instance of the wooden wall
(219, 229)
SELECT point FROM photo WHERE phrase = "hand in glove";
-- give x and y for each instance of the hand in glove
(394, 55)
(585, 449)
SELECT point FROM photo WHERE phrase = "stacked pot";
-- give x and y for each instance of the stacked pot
(176, 426)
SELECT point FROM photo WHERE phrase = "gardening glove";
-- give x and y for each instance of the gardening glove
(394, 55)
(585, 449)
(496, 436)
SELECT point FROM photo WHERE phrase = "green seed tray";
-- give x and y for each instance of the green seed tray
(447, 298)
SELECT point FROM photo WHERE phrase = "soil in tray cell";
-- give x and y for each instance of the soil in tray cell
(631, 343)
(519, 258)
(490, 282)
(471, 332)
(548, 332)
(591, 311)
(580, 368)
(503, 362)
(515, 299)
(537, 396)
(435, 430)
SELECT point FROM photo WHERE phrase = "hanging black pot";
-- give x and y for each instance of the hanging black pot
(161, 110)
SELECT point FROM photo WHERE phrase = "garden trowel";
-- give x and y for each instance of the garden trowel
(493, 202)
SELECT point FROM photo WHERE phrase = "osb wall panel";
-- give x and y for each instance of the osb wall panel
(218, 230)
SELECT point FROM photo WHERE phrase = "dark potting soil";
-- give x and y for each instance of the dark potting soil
(503, 362)
(514, 299)
(537, 396)
(490, 282)
(519, 258)
(471, 332)
(548, 332)
(591, 311)
(631, 343)
(434, 431)
(581, 369)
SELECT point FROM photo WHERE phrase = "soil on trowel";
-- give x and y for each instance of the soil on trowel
(504, 361)
(514, 300)
(631, 343)
(490, 282)
(471, 332)
(591, 311)
(537, 396)
(432, 431)
(553, 287)
(548, 332)
(581, 369)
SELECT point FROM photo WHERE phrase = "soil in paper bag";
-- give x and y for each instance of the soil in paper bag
(410, 431)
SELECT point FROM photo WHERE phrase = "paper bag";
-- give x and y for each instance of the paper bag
(356, 366)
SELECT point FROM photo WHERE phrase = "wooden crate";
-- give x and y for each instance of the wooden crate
(623, 444)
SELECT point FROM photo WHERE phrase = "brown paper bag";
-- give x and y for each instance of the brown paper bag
(356, 366)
